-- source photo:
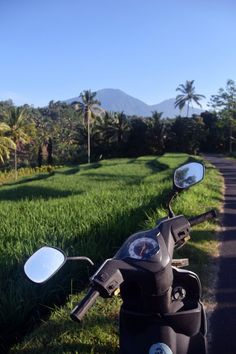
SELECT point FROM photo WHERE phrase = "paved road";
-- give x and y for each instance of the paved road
(223, 319)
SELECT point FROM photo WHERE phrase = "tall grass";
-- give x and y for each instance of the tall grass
(7, 176)
(85, 210)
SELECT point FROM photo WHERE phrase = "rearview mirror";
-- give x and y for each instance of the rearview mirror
(187, 175)
(44, 263)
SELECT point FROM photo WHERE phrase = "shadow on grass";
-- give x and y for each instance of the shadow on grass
(34, 193)
(156, 166)
(69, 171)
(126, 179)
(153, 163)
(92, 166)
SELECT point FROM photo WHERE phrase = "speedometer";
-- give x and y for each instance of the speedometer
(143, 248)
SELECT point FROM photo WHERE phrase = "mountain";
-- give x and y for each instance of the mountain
(117, 101)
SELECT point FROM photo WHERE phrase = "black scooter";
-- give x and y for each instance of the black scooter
(162, 311)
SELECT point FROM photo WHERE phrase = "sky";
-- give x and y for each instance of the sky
(55, 49)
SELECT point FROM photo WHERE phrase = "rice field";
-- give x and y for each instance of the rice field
(85, 210)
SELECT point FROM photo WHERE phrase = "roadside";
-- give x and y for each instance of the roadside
(223, 319)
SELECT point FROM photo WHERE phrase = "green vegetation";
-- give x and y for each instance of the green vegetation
(9, 176)
(87, 210)
(75, 133)
(5, 143)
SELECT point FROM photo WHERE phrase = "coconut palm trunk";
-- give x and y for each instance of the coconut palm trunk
(230, 136)
(187, 109)
(87, 106)
(89, 140)
(15, 163)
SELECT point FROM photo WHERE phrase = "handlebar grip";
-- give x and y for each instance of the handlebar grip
(203, 217)
(80, 310)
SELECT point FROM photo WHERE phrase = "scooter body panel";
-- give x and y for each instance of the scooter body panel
(139, 335)
(182, 331)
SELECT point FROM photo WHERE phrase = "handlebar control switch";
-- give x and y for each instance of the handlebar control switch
(108, 278)
(180, 229)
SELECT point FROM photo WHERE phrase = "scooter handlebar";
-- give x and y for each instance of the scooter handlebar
(80, 310)
(203, 217)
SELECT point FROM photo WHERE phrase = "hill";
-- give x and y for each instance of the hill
(116, 100)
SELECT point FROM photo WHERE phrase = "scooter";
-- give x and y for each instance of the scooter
(161, 310)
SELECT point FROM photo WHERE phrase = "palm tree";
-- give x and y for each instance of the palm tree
(121, 126)
(45, 129)
(188, 95)
(103, 132)
(89, 108)
(6, 143)
(156, 133)
(20, 130)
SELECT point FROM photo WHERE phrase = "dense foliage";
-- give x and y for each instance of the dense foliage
(60, 132)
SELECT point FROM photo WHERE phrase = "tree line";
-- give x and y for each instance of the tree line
(75, 133)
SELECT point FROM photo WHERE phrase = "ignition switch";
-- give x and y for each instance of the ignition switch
(178, 293)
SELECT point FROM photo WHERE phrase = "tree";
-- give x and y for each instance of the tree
(187, 95)
(120, 127)
(225, 99)
(6, 143)
(155, 135)
(20, 130)
(104, 132)
(42, 125)
(49, 151)
(225, 104)
(58, 132)
(136, 144)
(89, 107)
(187, 134)
(215, 132)
(4, 107)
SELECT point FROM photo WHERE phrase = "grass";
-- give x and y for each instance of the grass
(86, 210)
(9, 176)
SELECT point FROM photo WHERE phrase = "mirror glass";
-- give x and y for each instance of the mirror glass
(188, 175)
(43, 264)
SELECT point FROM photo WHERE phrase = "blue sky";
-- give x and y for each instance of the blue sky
(54, 49)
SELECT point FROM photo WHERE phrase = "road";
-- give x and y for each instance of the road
(223, 319)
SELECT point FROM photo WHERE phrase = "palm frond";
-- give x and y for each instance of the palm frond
(181, 88)
(188, 95)
(6, 144)
(180, 101)
(4, 127)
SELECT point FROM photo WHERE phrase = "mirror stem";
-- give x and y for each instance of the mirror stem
(81, 259)
(173, 194)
